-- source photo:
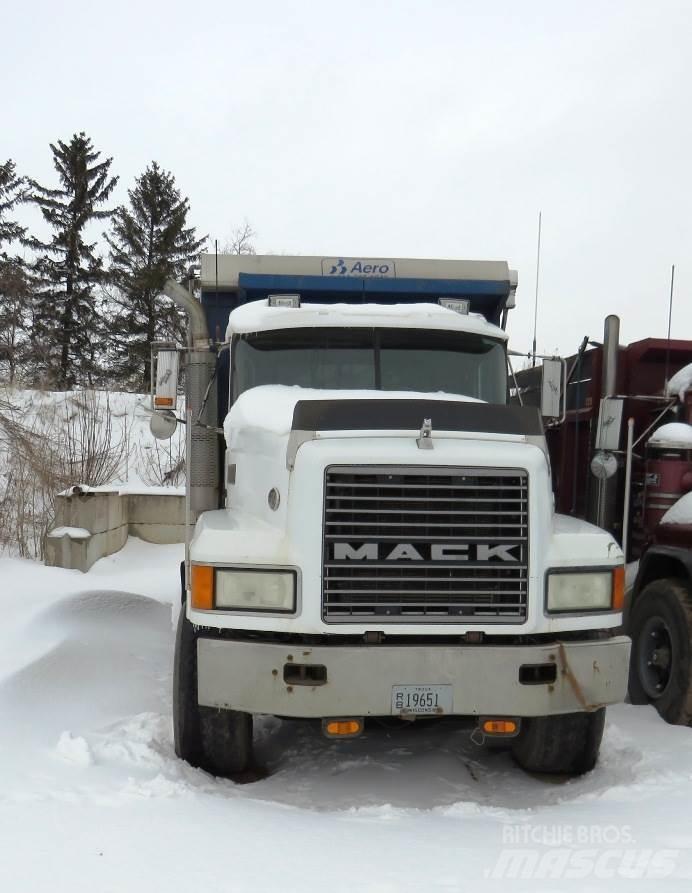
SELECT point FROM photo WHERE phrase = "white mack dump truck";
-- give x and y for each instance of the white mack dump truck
(371, 522)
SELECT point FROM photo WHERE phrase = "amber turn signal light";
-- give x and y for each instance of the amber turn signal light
(618, 588)
(342, 728)
(499, 727)
(202, 585)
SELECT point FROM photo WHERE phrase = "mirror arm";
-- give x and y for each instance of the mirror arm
(514, 378)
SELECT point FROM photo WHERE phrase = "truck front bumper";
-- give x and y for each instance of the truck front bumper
(485, 679)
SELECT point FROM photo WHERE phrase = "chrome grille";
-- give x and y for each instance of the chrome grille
(425, 545)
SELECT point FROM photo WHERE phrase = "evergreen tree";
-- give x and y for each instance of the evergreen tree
(66, 331)
(15, 315)
(150, 242)
(11, 194)
(14, 290)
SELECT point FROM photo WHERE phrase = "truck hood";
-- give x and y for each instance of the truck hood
(270, 409)
(268, 428)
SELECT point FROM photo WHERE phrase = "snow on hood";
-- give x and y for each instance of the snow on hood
(680, 512)
(680, 382)
(676, 435)
(270, 407)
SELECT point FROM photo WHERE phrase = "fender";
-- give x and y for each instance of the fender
(659, 561)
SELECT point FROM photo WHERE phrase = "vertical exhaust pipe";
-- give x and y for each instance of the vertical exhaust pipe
(611, 345)
(202, 454)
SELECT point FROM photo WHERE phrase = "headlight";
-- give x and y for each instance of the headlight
(576, 591)
(244, 590)
(255, 590)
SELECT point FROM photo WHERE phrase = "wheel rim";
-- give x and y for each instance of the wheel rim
(655, 657)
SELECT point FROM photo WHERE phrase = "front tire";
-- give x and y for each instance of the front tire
(661, 661)
(565, 744)
(226, 740)
(218, 741)
(186, 725)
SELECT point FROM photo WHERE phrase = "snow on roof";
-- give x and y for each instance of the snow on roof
(270, 407)
(680, 382)
(257, 316)
(680, 512)
(674, 435)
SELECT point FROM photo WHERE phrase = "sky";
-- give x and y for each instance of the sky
(394, 129)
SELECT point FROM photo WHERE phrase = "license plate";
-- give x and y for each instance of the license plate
(421, 699)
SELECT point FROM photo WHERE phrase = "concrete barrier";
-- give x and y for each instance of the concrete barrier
(92, 523)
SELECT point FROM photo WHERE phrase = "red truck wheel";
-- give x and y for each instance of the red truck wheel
(661, 627)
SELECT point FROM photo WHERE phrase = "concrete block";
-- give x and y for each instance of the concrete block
(159, 533)
(109, 517)
(155, 509)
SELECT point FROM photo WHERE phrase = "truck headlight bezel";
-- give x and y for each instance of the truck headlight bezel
(244, 589)
(575, 590)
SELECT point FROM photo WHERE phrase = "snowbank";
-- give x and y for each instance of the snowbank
(680, 382)
(680, 512)
(47, 412)
(270, 407)
(674, 435)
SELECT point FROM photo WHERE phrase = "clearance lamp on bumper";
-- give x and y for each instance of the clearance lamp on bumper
(243, 589)
(343, 728)
(583, 591)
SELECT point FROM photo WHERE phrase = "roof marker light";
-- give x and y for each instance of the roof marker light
(458, 305)
(284, 300)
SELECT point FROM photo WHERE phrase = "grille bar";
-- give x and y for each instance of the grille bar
(436, 486)
(386, 529)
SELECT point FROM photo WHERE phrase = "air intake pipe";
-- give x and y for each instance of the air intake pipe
(202, 454)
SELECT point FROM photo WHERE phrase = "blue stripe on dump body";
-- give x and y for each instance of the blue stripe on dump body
(486, 296)
(263, 284)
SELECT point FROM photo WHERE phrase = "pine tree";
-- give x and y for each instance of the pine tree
(14, 290)
(66, 331)
(149, 243)
(11, 194)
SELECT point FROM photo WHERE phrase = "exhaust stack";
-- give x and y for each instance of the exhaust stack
(202, 454)
(611, 345)
(607, 489)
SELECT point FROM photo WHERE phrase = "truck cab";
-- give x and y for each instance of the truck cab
(383, 541)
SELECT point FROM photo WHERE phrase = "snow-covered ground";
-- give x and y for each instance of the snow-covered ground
(93, 799)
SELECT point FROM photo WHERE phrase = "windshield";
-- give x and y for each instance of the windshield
(372, 359)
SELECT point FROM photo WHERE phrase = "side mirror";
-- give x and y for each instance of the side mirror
(163, 424)
(164, 374)
(552, 396)
(609, 424)
(164, 390)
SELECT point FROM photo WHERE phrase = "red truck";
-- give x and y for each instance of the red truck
(622, 458)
